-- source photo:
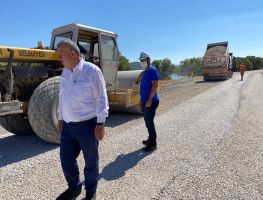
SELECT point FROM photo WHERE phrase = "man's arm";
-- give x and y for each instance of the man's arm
(152, 93)
(101, 97)
(154, 88)
(59, 110)
(102, 105)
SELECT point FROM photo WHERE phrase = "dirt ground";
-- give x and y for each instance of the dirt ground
(174, 92)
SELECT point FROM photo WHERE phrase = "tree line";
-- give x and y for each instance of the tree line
(191, 66)
(251, 62)
(194, 66)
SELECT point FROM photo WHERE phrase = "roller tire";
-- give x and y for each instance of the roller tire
(17, 124)
(42, 110)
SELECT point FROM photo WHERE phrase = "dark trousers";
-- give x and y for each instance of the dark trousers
(75, 138)
(148, 114)
(242, 75)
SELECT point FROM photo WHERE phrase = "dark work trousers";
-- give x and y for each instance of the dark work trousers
(148, 114)
(242, 75)
(74, 138)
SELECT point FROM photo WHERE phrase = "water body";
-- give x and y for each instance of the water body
(176, 77)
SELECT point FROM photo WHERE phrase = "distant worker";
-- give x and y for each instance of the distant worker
(242, 69)
(149, 99)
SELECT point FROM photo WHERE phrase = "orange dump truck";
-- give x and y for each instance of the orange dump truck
(218, 62)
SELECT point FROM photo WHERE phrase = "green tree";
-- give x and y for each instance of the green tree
(245, 61)
(191, 66)
(257, 62)
(251, 62)
(165, 67)
(124, 63)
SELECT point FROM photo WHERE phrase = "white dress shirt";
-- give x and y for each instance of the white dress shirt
(82, 94)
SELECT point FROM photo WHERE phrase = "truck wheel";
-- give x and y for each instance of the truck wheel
(17, 124)
(42, 110)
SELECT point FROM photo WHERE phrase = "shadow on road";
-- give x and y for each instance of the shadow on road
(116, 119)
(121, 164)
(15, 148)
(211, 81)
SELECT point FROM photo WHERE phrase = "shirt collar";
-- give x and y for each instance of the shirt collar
(79, 66)
(148, 67)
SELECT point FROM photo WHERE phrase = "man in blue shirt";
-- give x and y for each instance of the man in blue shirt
(149, 99)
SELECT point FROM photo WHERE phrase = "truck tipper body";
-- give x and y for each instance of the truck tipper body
(217, 62)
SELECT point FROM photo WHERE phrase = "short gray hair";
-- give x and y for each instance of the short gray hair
(70, 44)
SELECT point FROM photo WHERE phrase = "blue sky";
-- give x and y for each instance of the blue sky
(166, 29)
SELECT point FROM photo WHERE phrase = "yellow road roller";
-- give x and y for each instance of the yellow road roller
(30, 78)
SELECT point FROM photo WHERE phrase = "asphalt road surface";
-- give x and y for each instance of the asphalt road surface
(210, 146)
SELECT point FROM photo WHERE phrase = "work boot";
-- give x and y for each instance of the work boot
(69, 194)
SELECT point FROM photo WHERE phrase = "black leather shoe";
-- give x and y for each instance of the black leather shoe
(150, 147)
(90, 197)
(145, 142)
(69, 194)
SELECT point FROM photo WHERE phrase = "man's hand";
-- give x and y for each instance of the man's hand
(148, 103)
(99, 132)
(60, 125)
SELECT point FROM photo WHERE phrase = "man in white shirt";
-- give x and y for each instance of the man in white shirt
(82, 111)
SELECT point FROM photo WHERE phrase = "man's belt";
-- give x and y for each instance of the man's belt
(81, 122)
(77, 123)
